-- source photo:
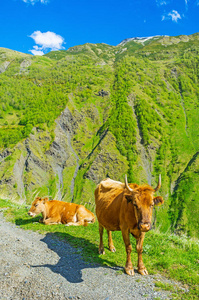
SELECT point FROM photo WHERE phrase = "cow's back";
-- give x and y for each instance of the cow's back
(63, 209)
(69, 212)
(108, 200)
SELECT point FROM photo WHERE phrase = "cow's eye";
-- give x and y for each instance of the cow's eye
(152, 205)
(135, 204)
(36, 205)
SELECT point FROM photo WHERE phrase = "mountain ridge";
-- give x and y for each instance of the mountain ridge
(141, 39)
(138, 40)
(72, 117)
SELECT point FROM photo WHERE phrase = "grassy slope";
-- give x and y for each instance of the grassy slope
(175, 257)
(153, 90)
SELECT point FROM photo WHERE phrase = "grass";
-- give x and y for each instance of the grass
(159, 84)
(164, 286)
(172, 256)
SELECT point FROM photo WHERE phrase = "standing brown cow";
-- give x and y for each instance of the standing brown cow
(126, 207)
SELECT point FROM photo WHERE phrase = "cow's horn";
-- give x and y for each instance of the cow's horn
(127, 186)
(159, 184)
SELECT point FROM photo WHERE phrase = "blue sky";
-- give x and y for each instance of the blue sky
(39, 26)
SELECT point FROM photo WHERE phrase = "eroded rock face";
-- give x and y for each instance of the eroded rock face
(46, 166)
(108, 162)
(34, 164)
(4, 154)
(102, 93)
(61, 154)
(4, 66)
(18, 171)
(11, 170)
(24, 66)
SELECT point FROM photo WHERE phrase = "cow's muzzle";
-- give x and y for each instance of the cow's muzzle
(144, 226)
(31, 214)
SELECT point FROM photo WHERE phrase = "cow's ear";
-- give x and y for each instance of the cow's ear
(38, 198)
(158, 200)
(129, 198)
(45, 200)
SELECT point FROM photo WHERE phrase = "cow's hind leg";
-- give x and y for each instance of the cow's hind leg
(110, 242)
(75, 223)
(75, 220)
(139, 247)
(101, 245)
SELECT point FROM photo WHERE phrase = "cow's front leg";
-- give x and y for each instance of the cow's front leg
(110, 242)
(41, 220)
(139, 247)
(101, 245)
(128, 267)
(51, 221)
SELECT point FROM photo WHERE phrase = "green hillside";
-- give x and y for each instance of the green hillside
(71, 118)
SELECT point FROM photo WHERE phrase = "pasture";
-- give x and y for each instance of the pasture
(173, 256)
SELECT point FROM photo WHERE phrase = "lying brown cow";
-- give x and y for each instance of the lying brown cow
(126, 207)
(57, 212)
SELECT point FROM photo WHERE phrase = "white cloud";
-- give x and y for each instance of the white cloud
(161, 2)
(36, 51)
(173, 15)
(34, 1)
(166, 2)
(46, 41)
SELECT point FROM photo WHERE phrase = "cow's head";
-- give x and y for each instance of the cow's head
(38, 206)
(143, 200)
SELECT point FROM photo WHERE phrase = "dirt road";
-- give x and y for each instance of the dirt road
(35, 266)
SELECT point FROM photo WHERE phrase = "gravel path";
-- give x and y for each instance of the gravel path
(35, 266)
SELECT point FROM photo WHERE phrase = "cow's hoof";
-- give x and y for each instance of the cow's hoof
(101, 251)
(112, 249)
(129, 271)
(143, 271)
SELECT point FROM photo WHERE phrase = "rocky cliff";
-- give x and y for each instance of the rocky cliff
(71, 118)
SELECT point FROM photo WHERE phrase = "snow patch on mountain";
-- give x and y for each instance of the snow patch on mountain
(141, 40)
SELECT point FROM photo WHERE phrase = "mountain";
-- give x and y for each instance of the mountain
(71, 118)
(142, 40)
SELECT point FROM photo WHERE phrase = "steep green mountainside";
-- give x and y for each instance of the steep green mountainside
(71, 118)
